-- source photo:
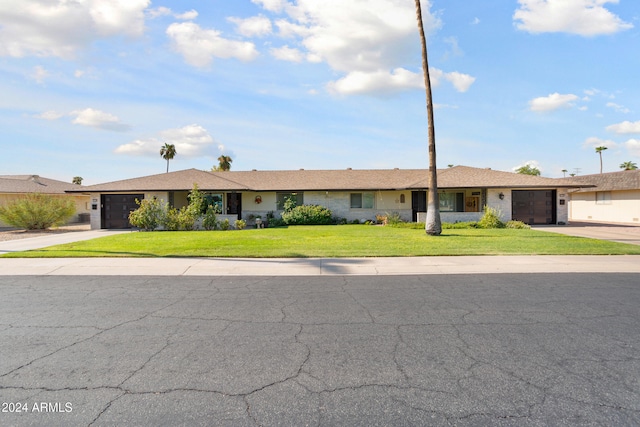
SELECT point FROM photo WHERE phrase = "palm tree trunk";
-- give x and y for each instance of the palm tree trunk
(433, 225)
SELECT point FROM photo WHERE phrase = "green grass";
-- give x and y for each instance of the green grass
(333, 241)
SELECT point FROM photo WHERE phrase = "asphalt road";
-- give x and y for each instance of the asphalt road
(505, 349)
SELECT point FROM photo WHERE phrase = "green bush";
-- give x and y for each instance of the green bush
(225, 225)
(38, 211)
(171, 219)
(517, 224)
(240, 224)
(149, 215)
(491, 218)
(308, 215)
(393, 218)
(210, 220)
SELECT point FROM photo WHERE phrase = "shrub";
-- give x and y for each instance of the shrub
(517, 224)
(393, 218)
(171, 220)
(149, 215)
(491, 218)
(308, 215)
(381, 219)
(225, 225)
(240, 224)
(210, 220)
(355, 221)
(459, 225)
(38, 211)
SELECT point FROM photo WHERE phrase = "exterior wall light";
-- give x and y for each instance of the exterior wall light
(501, 195)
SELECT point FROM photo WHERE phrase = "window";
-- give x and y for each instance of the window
(603, 197)
(452, 202)
(297, 198)
(362, 200)
(214, 200)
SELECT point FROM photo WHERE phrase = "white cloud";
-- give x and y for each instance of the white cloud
(271, 5)
(583, 17)
(39, 74)
(49, 115)
(256, 26)
(633, 145)
(625, 127)
(552, 102)
(190, 141)
(619, 108)
(199, 46)
(370, 43)
(165, 11)
(594, 142)
(380, 81)
(99, 120)
(59, 27)
(286, 53)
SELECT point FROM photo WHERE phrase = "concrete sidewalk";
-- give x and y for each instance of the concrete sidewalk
(318, 266)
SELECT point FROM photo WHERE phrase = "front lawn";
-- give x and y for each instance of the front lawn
(333, 241)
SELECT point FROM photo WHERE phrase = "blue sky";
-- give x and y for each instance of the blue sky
(94, 88)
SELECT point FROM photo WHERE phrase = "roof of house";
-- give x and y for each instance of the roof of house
(22, 184)
(327, 180)
(611, 181)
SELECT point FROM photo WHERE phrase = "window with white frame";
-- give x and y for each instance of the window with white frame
(362, 200)
(603, 197)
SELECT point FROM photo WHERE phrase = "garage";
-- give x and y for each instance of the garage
(115, 209)
(534, 206)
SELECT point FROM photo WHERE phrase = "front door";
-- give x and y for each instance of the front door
(418, 203)
(234, 204)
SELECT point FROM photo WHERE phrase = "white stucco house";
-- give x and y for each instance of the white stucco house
(350, 194)
(608, 198)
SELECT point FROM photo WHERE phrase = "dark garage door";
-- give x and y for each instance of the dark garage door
(534, 207)
(116, 209)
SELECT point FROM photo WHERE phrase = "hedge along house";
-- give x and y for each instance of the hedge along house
(14, 187)
(350, 194)
(615, 198)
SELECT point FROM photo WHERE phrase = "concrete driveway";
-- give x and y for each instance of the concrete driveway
(613, 232)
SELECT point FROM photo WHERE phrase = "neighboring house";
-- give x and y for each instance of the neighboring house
(350, 194)
(14, 187)
(614, 199)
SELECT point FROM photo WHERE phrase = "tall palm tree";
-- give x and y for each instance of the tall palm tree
(599, 150)
(224, 163)
(433, 224)
(77, 180)
(564, 173)
(168, 152)
(628, 166)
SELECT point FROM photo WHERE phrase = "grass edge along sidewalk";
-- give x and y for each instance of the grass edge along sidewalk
(343, 241)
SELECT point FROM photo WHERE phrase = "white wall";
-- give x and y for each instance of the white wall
(624, 207)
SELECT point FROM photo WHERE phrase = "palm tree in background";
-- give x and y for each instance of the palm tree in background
(433, 224)
(599, 150)
(628, 166)
(224, 164)
(77, 180)
(168, 152)
(564, 173)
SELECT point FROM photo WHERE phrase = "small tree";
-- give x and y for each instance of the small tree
(628, 166)
(168, 152)
(599, 150)
(38, 211)
(77, 180)
(151, 213)
(528, 170)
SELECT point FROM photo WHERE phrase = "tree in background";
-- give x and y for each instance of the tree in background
(168, 152)
(433, 224)
(77, 180)
(599, 150)
(628, 166)
(564, 173)
(224, 164)
(528, 170)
